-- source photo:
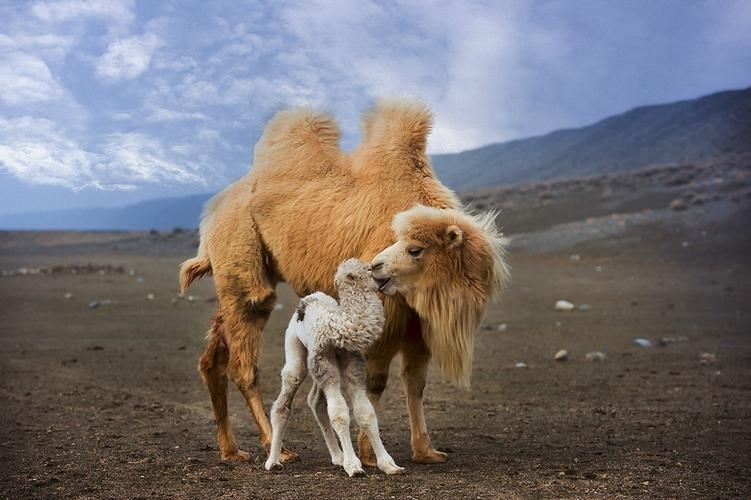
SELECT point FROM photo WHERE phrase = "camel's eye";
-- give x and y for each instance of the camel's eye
(415, 251)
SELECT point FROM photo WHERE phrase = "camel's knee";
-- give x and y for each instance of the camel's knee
(376, 383)
(213, 362)
(338, 411)
(365, 414)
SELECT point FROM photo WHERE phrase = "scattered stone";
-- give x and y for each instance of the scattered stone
(190, 298)
(643, 342)
(574, 257)
(561, 355)
(150, 296)
(502, 327)
(97, 303)
(279, 307)
(584, 307)
(521, 364)
(68, 296)
(595, 356)
(707, 358)
(598, 269)
(678, 204)
(671, 340)
(564, 305)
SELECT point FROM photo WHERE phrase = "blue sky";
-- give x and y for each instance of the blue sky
(109, 102)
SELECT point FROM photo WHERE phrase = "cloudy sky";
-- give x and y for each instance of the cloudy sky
(107, 102)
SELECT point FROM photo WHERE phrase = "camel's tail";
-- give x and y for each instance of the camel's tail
(192, 269)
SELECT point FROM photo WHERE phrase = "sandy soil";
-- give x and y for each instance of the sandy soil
(101, 399)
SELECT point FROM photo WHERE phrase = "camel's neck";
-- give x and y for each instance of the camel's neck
(360, 303)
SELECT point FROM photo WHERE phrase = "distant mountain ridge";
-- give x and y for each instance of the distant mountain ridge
(160, 214)
(681, 132)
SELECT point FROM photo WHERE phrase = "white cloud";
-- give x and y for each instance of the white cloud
(25, 79)
(128, 58)
(36, 151)
(170, 115)
(136, 157)
(48, 46)
(119, 11)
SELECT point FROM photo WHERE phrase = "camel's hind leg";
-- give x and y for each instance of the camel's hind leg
(293, 374)
(415, 359)
(213, 369)
(244, 325)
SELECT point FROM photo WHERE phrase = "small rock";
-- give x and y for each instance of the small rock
(190, 298)
(671, 340)
(595, 356)
(643, 342)
(707, 358)
(561, 355)
(574, 257)
(150, 296)
(521, 364)
(678, 205)
(94, 304)
(584, 307)
(564, 305)
(279, 307)
(68, 296)
(502, 327)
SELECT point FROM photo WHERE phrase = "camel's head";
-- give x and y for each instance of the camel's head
(447, 265)
(353, 272)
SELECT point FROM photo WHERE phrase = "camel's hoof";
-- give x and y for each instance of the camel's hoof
(356, 473)
(273, 466)
(236, 456)
(287, 456)
(393, 469)
(431, 457)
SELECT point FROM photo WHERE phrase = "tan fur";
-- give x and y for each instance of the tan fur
(461, 268)
(304, 207)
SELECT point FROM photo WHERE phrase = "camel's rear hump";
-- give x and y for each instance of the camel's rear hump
(298, 140)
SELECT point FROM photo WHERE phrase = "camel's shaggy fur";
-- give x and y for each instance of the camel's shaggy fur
(304, 207)
(330, 339)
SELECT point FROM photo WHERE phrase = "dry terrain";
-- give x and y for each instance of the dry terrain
(100, 396)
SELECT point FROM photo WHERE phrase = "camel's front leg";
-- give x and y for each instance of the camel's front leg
(415, 359)
(377, 376)
(317, 404)
(365, 414)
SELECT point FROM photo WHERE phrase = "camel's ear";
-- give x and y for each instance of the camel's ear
(454, 236)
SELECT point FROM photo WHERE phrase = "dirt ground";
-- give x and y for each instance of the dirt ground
(100, 395)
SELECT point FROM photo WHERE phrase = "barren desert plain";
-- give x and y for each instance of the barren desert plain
(100, 395)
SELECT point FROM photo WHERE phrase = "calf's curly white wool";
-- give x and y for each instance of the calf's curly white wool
(329, 339)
